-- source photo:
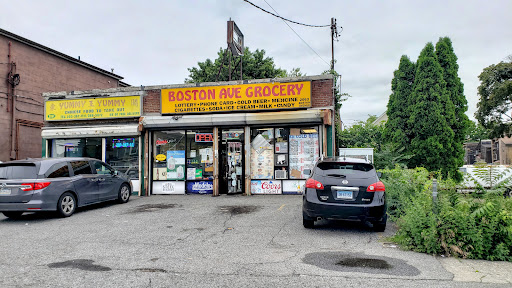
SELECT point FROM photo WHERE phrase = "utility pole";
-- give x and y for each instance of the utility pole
(334, 33)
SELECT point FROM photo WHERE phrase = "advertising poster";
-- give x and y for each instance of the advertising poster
(293, 186)
(200, 187)
(304, 152)
(262, 164)
(159, 173)
(168, 187)
(176, 165)
(266, 187)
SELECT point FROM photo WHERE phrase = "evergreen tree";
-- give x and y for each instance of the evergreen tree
(397, 131)
(432, 137)
(455, 89)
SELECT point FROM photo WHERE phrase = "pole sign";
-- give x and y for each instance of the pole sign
(246, 97)
(92, 108)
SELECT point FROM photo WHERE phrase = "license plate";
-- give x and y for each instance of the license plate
(5, 191)
(343, 194)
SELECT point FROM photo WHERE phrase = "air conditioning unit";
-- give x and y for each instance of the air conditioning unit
(280, 174)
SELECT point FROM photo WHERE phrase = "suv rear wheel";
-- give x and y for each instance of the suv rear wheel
(380, 226)
(307, 222)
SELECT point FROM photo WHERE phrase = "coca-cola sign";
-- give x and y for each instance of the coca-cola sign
(266, 187)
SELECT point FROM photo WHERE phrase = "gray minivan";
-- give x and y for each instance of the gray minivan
(58, 184)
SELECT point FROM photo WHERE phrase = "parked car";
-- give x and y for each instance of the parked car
(58, 184)
(344, 189)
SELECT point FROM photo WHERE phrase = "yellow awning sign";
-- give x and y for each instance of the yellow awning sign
(92, 108)
(246, 97)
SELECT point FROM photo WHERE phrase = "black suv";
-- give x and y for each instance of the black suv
(344, 189)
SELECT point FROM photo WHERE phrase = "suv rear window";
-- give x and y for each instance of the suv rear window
(335, 169)
(18, 171)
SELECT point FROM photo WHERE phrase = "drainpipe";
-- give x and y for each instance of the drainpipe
(11, 92)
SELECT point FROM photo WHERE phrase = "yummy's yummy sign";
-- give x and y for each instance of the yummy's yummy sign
(92, 108)
(267, 96)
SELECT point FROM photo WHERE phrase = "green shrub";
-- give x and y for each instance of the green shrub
(476, 225)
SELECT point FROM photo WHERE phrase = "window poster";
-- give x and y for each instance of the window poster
(304, 152)
(293, 186)
(168, 187)
(266, 187)
(176, 165)
(262, 164)
(200, 187)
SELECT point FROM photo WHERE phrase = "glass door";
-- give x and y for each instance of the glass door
(232, 161)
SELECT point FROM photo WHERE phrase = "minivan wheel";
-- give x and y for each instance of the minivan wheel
(66, 205)
(12, 214)
(124, 193)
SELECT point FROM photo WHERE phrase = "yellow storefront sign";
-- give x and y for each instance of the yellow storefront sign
(247, 97)
(92, 108)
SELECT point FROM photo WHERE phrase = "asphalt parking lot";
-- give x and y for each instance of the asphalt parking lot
(226, 241)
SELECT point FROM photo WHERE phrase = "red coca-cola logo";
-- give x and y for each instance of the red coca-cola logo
(270, 186)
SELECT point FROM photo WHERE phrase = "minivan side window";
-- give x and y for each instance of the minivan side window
(81, 167)
(57, 170)
(102, 168)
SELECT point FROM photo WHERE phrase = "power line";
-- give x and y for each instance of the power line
(295, 32)
(294, 22)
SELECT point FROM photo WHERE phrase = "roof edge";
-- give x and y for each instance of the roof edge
(57, 53)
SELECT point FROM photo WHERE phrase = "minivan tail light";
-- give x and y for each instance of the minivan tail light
(312, 183)
(34, 186)
(376, 187)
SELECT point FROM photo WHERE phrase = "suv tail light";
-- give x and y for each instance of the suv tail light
(376, 187)
(312, 183)
(34, 186)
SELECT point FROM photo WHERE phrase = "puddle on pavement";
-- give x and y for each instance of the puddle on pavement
(237, 210)
(360, 263)
(365, 263)
(82, 264)
(152, 207)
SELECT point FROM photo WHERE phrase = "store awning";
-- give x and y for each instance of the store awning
(95, 131)
(235, 119)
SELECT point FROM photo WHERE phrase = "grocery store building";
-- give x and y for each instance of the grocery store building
(250, 136)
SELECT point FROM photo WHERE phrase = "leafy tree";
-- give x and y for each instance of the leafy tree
(476, 132)
(432, 137)
(254, 66)
(495, 102)
(397, 131)
(364, 134)
(339, 98)
(455, 89)
(295, 72)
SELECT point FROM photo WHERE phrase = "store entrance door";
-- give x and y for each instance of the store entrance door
(232, 161)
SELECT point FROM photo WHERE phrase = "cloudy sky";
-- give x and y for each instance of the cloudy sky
(154, 42)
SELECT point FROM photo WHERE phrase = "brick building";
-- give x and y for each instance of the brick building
(250, 136)
(29, 69)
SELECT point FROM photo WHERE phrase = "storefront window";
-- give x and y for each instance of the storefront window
(304, 150)
(281, 153)
(122, 153)
(82, 147)
(262, 153)
(200, 155)
(169, 155)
